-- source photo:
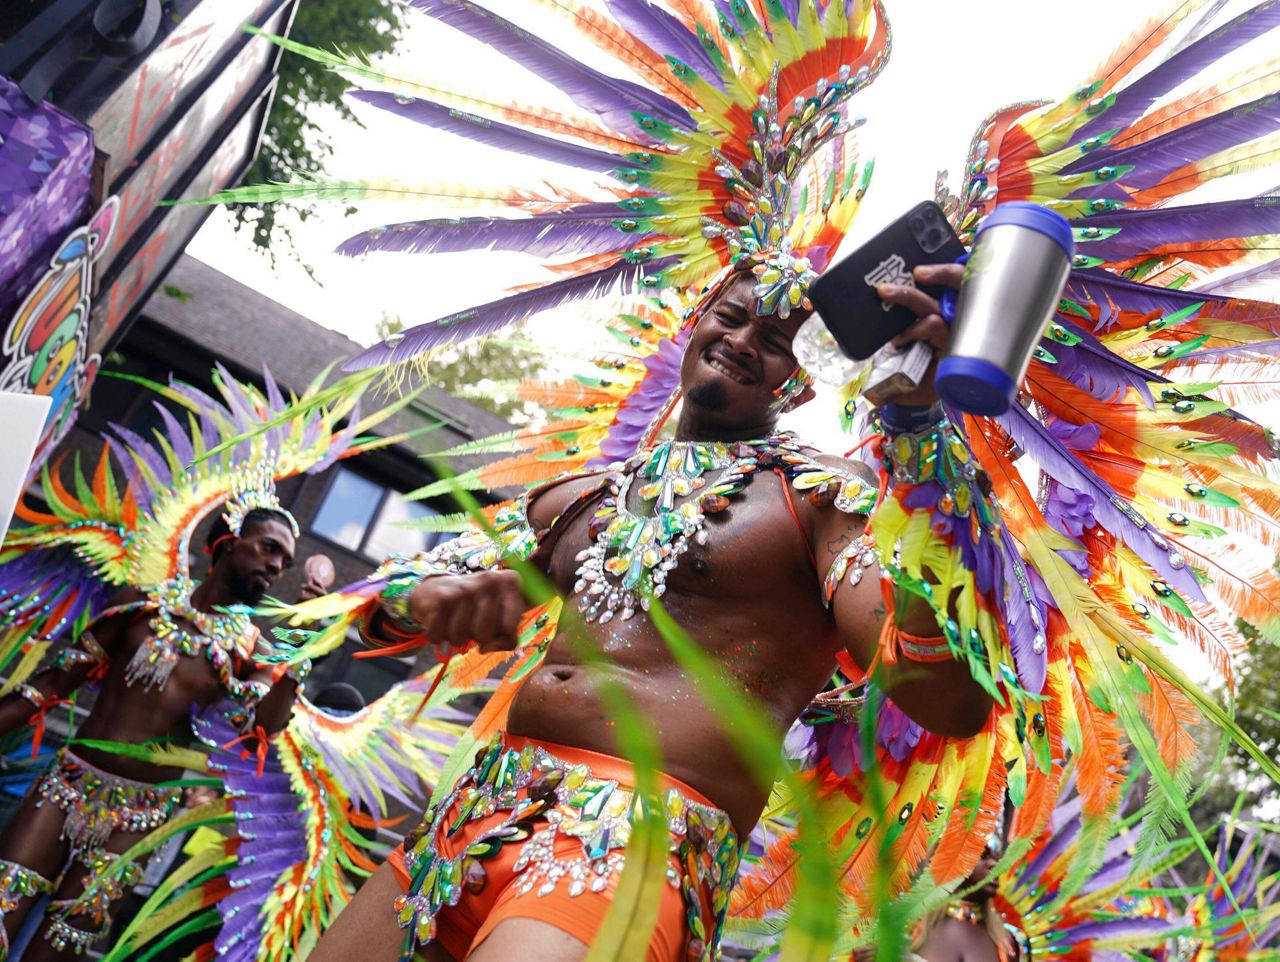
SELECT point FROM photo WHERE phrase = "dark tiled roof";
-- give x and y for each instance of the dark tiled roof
(242, 327)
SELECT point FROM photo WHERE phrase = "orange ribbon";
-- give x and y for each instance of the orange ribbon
(38, 721)
(264, 745)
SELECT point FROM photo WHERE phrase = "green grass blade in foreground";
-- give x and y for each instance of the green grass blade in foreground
(627, 928)
(815, 905)
(890, 913)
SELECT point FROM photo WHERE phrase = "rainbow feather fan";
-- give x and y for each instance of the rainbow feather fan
(1235, 915)
(302, 815)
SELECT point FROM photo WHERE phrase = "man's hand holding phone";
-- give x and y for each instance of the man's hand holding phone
(930, 327)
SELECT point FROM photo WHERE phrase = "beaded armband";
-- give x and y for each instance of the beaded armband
(924, 650)
(475, 550)
(852, 562)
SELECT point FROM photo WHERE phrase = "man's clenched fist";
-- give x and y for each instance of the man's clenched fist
(484, 607)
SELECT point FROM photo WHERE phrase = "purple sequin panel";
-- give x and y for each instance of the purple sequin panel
(46, 162)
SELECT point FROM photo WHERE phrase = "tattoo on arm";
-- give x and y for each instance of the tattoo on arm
(838, 544)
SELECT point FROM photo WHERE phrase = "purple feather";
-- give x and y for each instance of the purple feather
(587, 229)
(792, 9)
(485, 131)
(274, 398)
(1062, 839)
(612, 99)
(1271, 934)
(662, 378)
(146, 453)
(1113, 929)
(340, 443)
(665, 34)
(1021, 615)
(176, 435)
(1161, 156)
(494, 316)
(1054, 456)
(1143, 230)
(1102, 288)
(275, 404)
(1103, 373)
(1132, 102)
(895, 732)
(142, 492)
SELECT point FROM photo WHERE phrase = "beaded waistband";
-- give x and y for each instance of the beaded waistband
(98, 803)
(545, 796)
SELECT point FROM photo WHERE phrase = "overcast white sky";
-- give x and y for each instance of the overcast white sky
(953, 63)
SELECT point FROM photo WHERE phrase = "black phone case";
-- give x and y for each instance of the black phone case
(845, 295)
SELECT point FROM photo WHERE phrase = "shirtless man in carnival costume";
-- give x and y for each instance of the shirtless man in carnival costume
(750, 585)
(113, 567)
(156, 656)
(734, 179)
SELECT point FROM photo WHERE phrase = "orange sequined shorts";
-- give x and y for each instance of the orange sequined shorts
(536, 831)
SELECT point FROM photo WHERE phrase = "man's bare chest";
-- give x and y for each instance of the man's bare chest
(738, 551)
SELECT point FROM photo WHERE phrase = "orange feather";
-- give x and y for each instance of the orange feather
(1101, 762)
(1170, 716)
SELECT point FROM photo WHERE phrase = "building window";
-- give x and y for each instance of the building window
(363, 516)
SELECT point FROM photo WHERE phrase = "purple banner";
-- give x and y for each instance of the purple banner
(46, 164)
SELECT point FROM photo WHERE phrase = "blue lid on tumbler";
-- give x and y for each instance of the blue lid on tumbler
(1033, 217)
(974, 385)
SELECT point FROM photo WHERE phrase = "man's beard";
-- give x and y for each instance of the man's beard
(708, 395)
(246, 590)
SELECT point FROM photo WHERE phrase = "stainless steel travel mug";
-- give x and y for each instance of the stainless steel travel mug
(1012, 285)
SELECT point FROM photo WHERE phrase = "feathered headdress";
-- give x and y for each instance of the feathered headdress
(253, 488)
(61, 569)
(738, 144)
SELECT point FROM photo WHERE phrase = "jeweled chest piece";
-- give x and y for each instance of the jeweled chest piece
(676, 485)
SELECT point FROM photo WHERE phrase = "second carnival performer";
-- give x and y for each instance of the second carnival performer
(159, 654)
(1010, 625)
(111, 567)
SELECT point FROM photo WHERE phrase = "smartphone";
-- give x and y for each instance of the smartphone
(845, 296)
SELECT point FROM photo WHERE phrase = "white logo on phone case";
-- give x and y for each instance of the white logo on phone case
(892, 270)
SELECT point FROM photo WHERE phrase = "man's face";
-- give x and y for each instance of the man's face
(736, 359)
(982, 876)
(253, 562)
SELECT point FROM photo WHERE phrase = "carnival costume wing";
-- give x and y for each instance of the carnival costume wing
(1154, 522)
(1118, 907)
(1142, 908)
(93, 538)
(731, 147)
(302, 813)
(733, 141)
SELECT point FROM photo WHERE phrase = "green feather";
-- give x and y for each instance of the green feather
(495, 443)
(455, 485)
(454, 523)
